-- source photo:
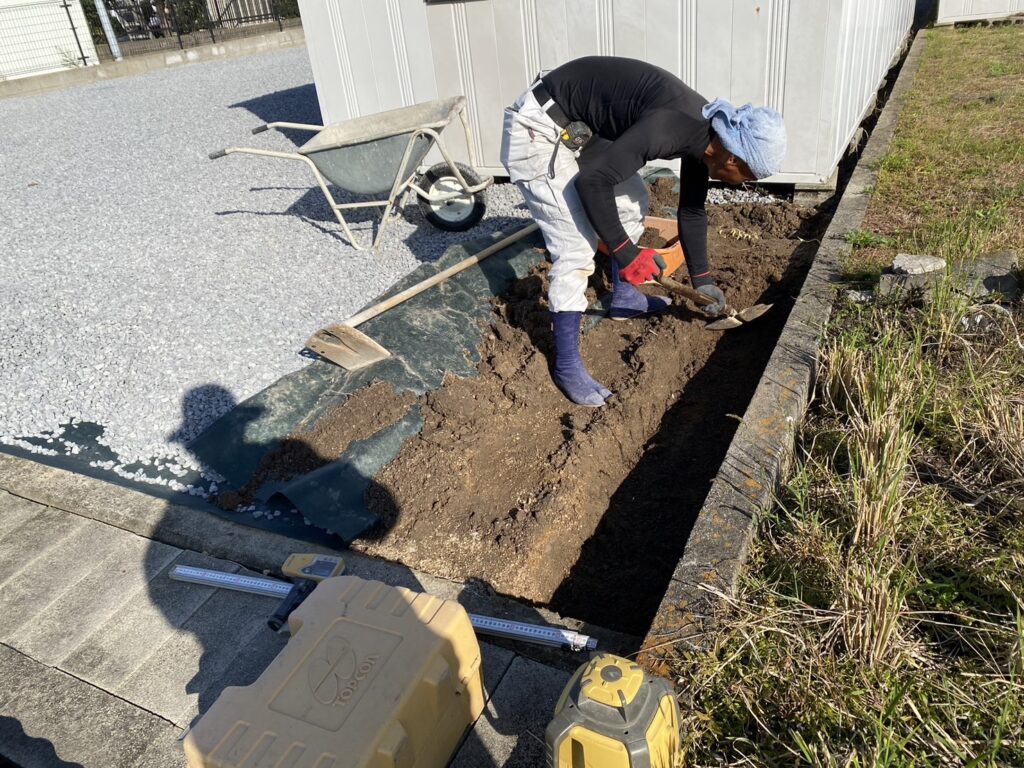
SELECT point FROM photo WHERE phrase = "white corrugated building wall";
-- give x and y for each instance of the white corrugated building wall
(36, 37)
(952, 11)
(819, 62)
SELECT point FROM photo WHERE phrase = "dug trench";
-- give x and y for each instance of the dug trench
(586, 511)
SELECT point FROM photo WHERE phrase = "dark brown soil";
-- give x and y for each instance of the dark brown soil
(509, 482)
(652, 238)
(585, 510)
(663, 200)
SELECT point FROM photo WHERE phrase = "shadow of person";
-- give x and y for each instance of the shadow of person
(199, 406)
(206, 638)
(218, 432)
(18, 742)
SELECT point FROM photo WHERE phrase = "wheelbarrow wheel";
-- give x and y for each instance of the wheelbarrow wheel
(459, 213)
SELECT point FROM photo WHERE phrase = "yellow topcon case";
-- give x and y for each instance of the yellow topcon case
(614, 715)
(374, 676)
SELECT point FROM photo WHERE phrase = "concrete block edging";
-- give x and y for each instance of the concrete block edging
(762, 448)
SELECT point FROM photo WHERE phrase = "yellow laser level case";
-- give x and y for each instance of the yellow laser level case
(614, 715)
(373, 676)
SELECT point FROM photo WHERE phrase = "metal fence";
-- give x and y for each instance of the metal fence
(142, 26)
(31, 32)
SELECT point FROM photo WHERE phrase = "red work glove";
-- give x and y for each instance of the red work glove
(638, 265)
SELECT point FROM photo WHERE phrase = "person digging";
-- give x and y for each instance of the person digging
(574, 142)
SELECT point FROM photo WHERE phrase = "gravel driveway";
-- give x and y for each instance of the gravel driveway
(133, 270)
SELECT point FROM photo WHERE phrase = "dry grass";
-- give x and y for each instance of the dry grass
(740, 234)
(881, 621)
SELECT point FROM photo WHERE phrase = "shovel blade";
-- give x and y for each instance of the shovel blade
(724, 324)
(740, 318)
(345, 346)
(752, 313)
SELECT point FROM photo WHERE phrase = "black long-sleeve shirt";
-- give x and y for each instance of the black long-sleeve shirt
(644, 113)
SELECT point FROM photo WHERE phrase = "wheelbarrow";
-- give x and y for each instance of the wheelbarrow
(381, 154)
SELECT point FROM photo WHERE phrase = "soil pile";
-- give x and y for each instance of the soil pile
(585, 510)
(509, 481)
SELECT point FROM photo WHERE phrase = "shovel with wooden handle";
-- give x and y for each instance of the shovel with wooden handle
(343, 345)
(731, 319)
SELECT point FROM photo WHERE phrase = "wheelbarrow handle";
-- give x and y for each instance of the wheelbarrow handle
(420, 287)
(218, 153)
(260, 129)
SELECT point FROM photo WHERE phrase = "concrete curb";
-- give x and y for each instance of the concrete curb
(137, 65)
(760, 453)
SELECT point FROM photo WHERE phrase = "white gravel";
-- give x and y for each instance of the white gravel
(136, 272)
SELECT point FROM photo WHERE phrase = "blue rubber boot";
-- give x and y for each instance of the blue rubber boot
(569, 372)
(628, 302)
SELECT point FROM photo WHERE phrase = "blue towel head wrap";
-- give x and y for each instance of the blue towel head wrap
(756, 135)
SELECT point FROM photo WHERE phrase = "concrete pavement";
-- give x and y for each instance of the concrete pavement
(105, 661)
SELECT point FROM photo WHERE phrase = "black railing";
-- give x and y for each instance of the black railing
(38, 36)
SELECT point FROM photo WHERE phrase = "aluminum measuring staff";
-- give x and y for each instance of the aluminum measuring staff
(574, 142)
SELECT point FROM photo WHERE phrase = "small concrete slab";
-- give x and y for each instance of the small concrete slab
(183, 672)
(510, 733)
(978, 279)
(53, 719)
(994, 273)
(32, 539)
(130, 562)
(916, 264)
(44, 579)
(15, 512)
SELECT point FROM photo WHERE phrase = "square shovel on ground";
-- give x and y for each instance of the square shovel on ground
(343, 345)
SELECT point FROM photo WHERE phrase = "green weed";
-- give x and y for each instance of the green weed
(860, 238)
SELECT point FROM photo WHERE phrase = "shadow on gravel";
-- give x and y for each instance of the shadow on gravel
(426, 242)
(292, 105)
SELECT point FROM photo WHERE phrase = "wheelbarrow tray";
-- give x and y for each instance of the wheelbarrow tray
(365, 155)
(379, 156)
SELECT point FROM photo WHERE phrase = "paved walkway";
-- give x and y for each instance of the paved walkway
(104, 660)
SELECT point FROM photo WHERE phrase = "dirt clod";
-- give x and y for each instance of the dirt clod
(652, 238)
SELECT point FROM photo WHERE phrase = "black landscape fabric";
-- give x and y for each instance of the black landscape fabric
(432, 334)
